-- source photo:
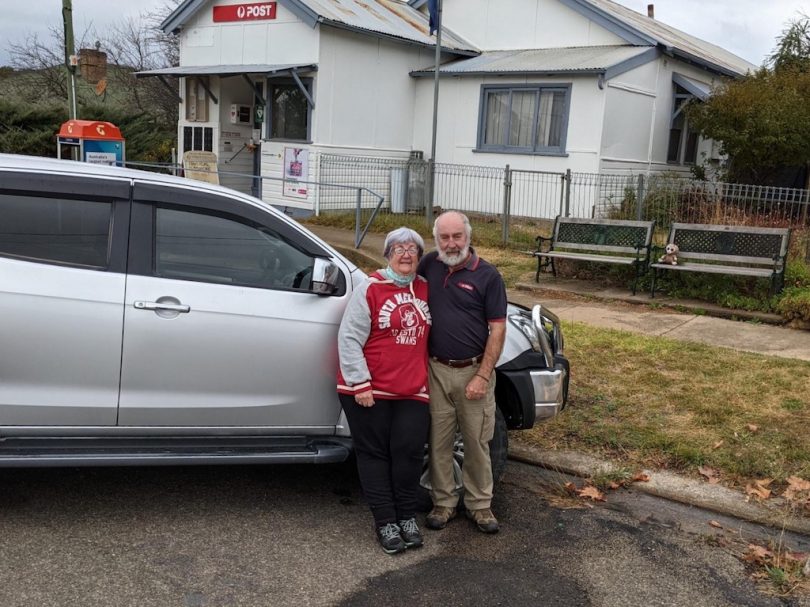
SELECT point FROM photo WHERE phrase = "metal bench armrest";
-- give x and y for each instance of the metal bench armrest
(540, 240)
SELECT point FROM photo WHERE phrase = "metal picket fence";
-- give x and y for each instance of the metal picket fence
(521, 196)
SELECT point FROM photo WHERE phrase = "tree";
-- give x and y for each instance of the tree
(762, 121)
(793, 46)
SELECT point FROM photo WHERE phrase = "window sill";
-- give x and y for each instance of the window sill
(519, 152)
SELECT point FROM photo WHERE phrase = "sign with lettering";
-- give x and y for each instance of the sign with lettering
(201, 166)
(296, 166)
(245, 12)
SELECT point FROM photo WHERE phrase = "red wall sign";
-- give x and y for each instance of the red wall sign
(245, 12)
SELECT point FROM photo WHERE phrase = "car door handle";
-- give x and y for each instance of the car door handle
(156, 305)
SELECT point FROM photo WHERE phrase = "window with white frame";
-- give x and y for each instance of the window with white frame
(683, 142)
(526, 119)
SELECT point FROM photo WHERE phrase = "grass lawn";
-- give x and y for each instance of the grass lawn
(658, 403)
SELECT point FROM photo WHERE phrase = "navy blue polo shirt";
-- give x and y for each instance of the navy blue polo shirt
(463, 301)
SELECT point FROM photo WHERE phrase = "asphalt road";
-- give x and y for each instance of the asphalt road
(300, 535)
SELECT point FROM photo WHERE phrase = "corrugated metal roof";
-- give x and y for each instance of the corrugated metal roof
(671, 37)
(545, 60)
(390, 17)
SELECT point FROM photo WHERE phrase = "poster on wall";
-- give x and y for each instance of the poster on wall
(296, 166)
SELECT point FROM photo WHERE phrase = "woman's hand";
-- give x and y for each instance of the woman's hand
(364, 399)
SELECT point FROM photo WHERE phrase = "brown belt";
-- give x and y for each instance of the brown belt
(458, 364)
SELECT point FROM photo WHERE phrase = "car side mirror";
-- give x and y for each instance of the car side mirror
(325, 277)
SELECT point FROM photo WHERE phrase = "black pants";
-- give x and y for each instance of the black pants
(389, 442)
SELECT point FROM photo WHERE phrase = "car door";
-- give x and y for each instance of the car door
(220, 327)
(62, 259)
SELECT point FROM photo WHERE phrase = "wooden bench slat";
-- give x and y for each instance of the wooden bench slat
(716, 269)
(586, 257)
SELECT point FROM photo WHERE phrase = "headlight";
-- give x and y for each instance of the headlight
(526, 326)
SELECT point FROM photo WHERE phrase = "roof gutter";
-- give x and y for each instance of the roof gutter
(699, 62)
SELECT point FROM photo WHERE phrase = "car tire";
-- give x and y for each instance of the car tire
(498, 453)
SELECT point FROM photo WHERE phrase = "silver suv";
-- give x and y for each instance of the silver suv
(150, 319)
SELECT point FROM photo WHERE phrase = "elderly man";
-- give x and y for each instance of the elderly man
(467, 301)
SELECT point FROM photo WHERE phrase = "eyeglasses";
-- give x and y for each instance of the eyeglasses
(408, 250)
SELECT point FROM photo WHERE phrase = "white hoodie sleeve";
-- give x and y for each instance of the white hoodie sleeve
(352, 336)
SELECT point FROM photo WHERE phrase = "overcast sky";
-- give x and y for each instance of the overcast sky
(747, 28)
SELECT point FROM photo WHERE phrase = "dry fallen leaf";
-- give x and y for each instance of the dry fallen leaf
(711, 474)
(718, 444)
(757, 554)
(593, 493)
(613, 485)
(570, 487)
(640, 477)
(796, 485)
(716, 524)
(752, 427)
(759, 488)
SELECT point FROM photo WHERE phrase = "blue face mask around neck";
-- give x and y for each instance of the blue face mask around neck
(399, 279)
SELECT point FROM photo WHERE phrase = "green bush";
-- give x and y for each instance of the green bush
(795, 304)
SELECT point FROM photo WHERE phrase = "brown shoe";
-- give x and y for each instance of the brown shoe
(484, 520)
(439, 517)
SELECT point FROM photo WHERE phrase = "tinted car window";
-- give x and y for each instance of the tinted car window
(207, 247)
(55, 230)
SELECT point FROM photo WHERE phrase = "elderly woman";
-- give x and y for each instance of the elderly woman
(383, 387)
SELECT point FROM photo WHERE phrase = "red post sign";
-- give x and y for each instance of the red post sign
(245, 12)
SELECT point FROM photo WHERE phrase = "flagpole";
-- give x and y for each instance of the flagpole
(432, 164)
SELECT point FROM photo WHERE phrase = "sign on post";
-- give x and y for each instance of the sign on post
(201, 166)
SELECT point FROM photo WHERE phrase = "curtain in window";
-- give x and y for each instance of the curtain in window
(497, 104)
(524, 104)
(551, 119)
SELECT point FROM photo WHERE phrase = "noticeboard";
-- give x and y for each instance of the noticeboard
(296, 166)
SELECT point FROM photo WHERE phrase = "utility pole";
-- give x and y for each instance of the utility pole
(70, 58)
(432, 165)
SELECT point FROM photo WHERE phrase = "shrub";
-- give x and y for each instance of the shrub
(795, 305)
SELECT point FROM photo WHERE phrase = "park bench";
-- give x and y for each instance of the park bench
(729, 250)
(614, 241)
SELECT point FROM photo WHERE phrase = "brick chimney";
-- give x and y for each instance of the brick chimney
(651, 11)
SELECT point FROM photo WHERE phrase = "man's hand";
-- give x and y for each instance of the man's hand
(477, 388)
(364, 399)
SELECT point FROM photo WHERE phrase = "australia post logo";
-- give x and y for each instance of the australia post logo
(245, 12)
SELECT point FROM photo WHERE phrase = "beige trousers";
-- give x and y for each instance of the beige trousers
(450, 409)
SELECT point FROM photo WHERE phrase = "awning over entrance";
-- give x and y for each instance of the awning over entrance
(698, 89)
(225, 71)
(228, 70)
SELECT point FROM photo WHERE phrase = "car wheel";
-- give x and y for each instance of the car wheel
(498, 452)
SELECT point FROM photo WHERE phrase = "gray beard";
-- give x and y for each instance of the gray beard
(454, 260)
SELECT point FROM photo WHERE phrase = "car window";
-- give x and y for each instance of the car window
(209, 247)
(55, 230)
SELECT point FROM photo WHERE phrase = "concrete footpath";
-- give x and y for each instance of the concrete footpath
(588, 303)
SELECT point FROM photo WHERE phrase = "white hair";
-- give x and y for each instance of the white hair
(402, 235)
(462, 216)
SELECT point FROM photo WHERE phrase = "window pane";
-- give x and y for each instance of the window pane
(289, 113)
(551, 119)
(522, 118)
(690, 153)
(497, 104)
(63, 231)
(211, 248)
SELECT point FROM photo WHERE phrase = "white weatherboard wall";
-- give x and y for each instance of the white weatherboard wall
(363, 106)
(520, 24)
(283, 40)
